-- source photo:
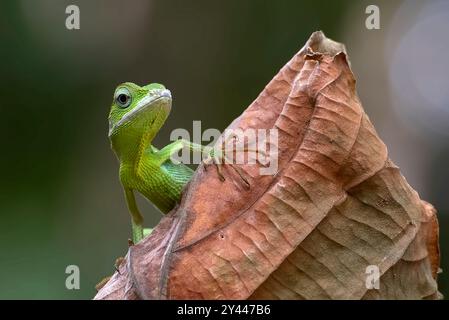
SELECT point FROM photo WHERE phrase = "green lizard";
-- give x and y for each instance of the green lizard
(137, 114)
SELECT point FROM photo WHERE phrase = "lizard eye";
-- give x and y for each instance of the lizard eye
(123, 98)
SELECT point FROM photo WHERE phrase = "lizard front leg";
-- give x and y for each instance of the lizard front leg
(215, 157)
(166, 153)
(169, 150)
(218, 155)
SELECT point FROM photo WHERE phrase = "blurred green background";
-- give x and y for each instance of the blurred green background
(60, 199)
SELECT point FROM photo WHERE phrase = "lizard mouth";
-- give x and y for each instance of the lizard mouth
(147, 102)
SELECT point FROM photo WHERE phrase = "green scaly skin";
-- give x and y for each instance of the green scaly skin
(137, 114)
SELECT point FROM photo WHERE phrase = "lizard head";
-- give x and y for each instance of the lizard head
(138, 110)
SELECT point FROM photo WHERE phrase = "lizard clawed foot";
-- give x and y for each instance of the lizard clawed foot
(218, 166)
(222, 178)
(209, 161)
(217, 157)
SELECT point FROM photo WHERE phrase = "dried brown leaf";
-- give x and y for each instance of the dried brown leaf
(336, 206)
